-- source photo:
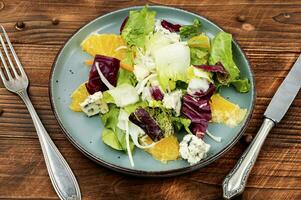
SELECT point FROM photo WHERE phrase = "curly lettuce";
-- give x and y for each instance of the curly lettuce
(180, 123)
(125, 76)
(190, 30)
(139, 24)
(221, 51)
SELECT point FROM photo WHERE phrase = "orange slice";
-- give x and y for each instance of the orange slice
(166, 149)
(79, 95)
(226, 112)
(105, 44)
(108, 45)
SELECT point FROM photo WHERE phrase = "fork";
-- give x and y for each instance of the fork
(61, 176)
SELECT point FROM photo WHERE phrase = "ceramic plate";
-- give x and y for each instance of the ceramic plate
(69, 72)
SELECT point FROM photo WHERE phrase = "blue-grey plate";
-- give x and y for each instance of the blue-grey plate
(69, 72)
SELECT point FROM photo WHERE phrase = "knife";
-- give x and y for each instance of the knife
(235, 181)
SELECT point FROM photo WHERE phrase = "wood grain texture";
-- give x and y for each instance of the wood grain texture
(272, 42)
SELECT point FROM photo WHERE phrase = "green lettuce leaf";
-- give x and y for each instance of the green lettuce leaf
(107, 98)
(199, 41)
(112, 135)
(125, 76)
(110, 138)
(199, 56)
(154, 103)
(181, 122)
(221, 51)
(110, 119)
(140, 23)
(131, 108)
(190, 30)
(199, 49)
(121, 136)
(241, 85)
(116, 140)
(129, 57)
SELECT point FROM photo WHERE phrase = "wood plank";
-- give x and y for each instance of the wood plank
(271, 35)
(226, 3)
(23, 163)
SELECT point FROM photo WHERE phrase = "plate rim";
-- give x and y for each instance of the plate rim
(136, 172)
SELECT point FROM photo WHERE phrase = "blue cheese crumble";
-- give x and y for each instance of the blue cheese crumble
(93, 105)
(193, 149)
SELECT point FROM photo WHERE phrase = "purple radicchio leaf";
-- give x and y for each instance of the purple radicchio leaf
(144, 120)
(156, 93)
(171, 27)
(218, 69)
(123, 24)
(109, 67)
(197, 109)
(207, 94)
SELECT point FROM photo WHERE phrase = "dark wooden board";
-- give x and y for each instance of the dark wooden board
(270, 36)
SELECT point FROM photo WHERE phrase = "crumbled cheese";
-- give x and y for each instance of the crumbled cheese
(93, 105)
(197, 84)
(193, 149)
(173, 101)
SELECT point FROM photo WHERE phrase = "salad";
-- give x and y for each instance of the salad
(158, 81)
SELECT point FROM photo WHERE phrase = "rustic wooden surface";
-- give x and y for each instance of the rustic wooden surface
(271, 37)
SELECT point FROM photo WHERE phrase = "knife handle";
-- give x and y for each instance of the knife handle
(235, 181)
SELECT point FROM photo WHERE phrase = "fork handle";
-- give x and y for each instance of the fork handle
(236, 180)
(61, 176)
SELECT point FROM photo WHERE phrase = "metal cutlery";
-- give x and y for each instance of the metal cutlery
(236, 180)
(61, 176)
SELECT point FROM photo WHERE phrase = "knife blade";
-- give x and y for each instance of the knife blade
(285, 94)
(236, 180)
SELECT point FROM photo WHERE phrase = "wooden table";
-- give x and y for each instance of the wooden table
(270, 33)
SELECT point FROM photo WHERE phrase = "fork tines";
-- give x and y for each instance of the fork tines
(7, 58)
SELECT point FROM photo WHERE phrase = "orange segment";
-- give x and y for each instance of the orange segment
(108, 45)
(165, 150)
(78, 96)
(224, 111)
(105, 44)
